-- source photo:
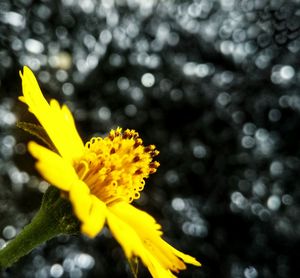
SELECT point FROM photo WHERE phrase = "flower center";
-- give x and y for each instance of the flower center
(115, 167)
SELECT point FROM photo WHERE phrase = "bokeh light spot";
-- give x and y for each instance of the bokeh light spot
(148, 80)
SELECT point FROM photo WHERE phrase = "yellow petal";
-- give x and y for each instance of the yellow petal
(53, 167)
(58, 122)
(132, 216)
(81, 199)
(148, 230)
(94, 223)
(132, 245)
(186, 258)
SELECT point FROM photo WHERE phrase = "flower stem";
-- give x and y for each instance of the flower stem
(54, 217)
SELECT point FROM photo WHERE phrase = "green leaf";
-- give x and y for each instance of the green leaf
(37, 131)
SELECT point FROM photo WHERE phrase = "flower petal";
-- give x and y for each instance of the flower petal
(148, 231)
(94, 223)
(58, 122)
(81, 199)
(186, 258)
(53, 167)
(88, 208)
(57, 171)
(133, 245)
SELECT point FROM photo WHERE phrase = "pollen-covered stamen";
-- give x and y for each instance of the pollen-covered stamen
(153, 167)
(138, 142)
(115, 167)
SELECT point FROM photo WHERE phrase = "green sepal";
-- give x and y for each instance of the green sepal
(39, 132)
(134, 266)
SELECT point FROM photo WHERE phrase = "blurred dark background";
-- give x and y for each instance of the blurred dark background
(213, 84)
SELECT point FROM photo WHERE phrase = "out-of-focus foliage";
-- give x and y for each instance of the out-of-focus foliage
(214, 84)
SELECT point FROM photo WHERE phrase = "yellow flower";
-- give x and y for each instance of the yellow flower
(101, 179)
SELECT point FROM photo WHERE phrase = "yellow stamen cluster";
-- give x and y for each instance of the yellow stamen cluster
(115, 167)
